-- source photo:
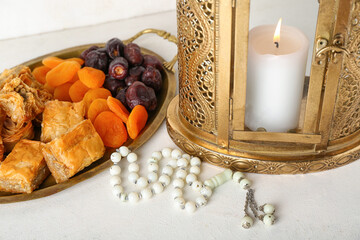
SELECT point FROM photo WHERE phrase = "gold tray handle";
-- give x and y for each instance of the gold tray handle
(167, 36)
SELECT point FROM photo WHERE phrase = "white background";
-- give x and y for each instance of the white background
(24, 17)
(315, 206)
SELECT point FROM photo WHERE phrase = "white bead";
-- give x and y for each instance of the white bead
(117, 190)
(133, 177)
(201, 201)
(146, 193)
(158, 187)
(172, 163)
(167, 170)
(115, 170)
(152, 160)
(186, 156)
(177, 193)
(133, 167)
(179, 202)
(176, 154)
(206, 191)
(115, 157)
(245, 183)
(181, 173)
(195, 170)
(142, 182)
(269, 209)
(196, 186)
(178, 183)
(165, 179)
(190, 207)
(133, 197)
(132, 157)
(238, 176)
(247, 222)
(195, 161)
(124, 151)
(152, 177)
(166, 152)
(268, 219)
(153, 167)
(123, 197)
(157, 155)
(182, 162)
(115, 180)
(191, 178)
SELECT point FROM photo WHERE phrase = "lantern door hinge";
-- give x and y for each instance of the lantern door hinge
(335, 49)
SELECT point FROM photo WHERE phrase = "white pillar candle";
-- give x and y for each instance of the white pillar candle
(275, 78)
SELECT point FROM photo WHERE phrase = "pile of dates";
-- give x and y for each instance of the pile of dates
(132, 77)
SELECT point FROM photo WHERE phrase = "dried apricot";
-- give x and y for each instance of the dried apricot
(52, 62)
(40, 73)
(111, 129)
(77, 91)
(62, 73)
(96, 107)
(62, 92)
(74, 79)
(78, 60)
(136, 121)
(91, 77)
(118, 108)
(49, 88)
(93, 94)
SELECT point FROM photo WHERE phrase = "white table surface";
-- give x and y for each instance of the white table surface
(314, 206)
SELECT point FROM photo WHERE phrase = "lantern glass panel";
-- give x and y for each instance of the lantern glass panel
(275, 81)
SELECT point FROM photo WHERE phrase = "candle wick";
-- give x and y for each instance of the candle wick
(277, 44)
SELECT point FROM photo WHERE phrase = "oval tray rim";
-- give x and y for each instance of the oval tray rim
(151, 128)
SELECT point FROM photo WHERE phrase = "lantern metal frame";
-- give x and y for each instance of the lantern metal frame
(208, 116)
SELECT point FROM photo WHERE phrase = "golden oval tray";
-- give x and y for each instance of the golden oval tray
(49, 186)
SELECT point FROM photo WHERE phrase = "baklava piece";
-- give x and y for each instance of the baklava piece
(12, 133)
(2, 147)
(59, 117)
(22, 99)
(71, 153)
(22, 72)
(24, 169)
(21, 102)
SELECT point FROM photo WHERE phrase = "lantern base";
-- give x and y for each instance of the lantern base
(236, 159)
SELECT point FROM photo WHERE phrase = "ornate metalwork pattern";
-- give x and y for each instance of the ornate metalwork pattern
(347, 110)
(196, 62)
(261, 166)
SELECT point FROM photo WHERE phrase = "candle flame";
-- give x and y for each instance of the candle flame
(277, 33)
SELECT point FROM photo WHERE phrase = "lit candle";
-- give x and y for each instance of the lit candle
(275, 81)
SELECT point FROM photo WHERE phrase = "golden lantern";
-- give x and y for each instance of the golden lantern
(208, 116)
